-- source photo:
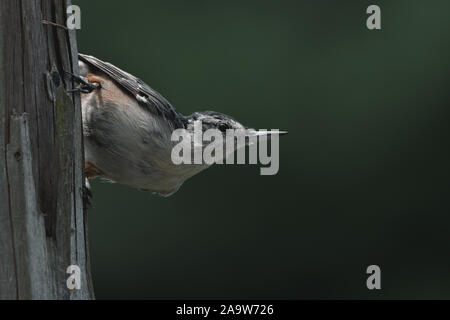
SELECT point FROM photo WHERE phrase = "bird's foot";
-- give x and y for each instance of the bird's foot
(85, 85)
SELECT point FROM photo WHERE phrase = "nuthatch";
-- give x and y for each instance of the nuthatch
(127, 128)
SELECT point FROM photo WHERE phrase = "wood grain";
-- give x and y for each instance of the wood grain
(43, 226)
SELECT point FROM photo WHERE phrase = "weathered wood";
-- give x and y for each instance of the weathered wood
(43, 227)
(30, 252)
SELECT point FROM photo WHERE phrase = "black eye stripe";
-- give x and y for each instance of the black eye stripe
(222, 127)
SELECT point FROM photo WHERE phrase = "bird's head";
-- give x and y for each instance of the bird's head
(213, 120)
(205, 137)
(224, 126)
(223, 122)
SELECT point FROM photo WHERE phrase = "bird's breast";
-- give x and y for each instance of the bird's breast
(128, 144)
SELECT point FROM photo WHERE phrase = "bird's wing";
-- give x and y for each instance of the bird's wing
(142, 92)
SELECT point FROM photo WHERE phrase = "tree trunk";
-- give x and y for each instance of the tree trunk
(43, 228)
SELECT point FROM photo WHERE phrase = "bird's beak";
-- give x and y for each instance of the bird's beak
(261, 135)
(264, 133)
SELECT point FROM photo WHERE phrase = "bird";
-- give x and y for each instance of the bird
(127, 128)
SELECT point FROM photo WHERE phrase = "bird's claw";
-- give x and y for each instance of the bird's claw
(84, 85)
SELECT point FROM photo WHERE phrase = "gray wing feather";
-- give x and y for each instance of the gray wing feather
(142, 92)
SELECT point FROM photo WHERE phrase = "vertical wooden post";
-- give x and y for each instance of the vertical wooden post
(43, 227)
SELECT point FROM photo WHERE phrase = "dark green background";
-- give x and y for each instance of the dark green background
(364, 172)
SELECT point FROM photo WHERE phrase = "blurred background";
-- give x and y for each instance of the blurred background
(364, 173)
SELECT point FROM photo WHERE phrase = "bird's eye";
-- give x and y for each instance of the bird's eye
(223, 127)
